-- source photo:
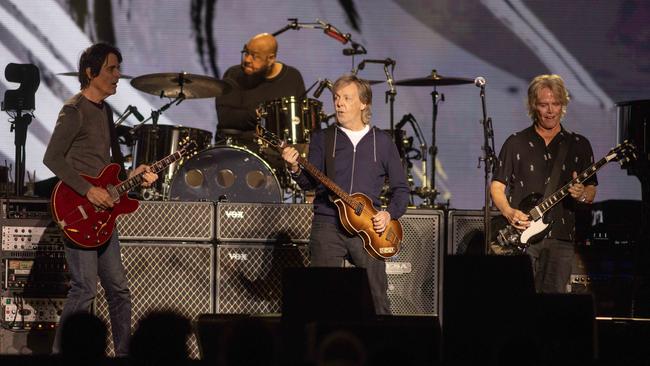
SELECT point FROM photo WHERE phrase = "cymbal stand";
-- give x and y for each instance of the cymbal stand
(489, 159)
(429, 188)
(155, 115)
(427, 194)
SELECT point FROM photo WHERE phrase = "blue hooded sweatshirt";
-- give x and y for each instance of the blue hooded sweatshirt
(358, 170)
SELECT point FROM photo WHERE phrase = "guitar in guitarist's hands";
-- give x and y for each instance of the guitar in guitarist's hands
(380, 221)
(580, 192)
(517, 218)
(149, 176)
(99, 197)
(290, 156)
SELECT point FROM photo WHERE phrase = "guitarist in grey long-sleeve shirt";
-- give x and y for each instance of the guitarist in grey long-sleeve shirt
(81, 143)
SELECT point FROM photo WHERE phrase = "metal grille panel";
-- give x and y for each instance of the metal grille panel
(166, 277)
(259, 222)
(169, 221)
(249, 276)
(413, 275)
(461, 226)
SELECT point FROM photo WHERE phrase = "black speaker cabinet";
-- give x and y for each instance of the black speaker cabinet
(465, 231)
(414, 273)
(249, 276)
(177, 277)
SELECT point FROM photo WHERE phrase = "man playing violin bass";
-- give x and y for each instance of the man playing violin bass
(81, 143)
(526, 161)
(258, 79)
(363, 156)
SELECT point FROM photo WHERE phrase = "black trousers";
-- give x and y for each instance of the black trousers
(552, 264)
(330, 246)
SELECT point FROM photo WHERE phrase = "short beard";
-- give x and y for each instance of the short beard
(254, 79)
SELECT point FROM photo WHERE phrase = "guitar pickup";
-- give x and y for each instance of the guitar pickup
(358, 209)
(84, 215)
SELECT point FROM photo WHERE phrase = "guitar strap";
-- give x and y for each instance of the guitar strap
(552, 185)
(330, 166)
(116, 153)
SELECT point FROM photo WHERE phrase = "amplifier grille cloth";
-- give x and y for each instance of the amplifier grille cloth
(413, 275)
(166, 277)
(169, 221)
(258, 222)
(249, 276)
(463, 225)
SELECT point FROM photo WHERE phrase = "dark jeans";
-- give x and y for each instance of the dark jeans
(84, 266)
(552, 261)
(330, 245)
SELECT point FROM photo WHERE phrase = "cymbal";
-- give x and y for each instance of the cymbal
(171, 84)
(74, 73)
(434, 80)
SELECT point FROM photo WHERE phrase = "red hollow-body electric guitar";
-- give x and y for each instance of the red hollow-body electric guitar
(355, 210)
(89, 226)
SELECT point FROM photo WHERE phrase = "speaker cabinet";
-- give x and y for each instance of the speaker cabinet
(263, 222)
(249, 276)
(177, 277)
(414, 273)
(465, 231)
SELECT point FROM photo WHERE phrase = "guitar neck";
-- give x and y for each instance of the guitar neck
(327, 182)
(558, 195)
(156, 167)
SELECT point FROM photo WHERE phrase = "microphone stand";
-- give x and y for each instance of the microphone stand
(293, 24)
(489, 159)
(390, 97)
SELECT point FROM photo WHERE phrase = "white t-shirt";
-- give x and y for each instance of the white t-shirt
(356, 136)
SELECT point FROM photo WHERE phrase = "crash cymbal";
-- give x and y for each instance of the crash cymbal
(172, 84)
(373, 82)
(434, 80)
(74, 73)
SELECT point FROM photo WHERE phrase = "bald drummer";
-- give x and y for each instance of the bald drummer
(258, 79)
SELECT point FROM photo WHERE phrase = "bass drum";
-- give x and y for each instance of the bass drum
(226, 173)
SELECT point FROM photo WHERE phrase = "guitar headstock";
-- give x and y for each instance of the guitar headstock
(623, 153)
(188, 147)
(269, 138)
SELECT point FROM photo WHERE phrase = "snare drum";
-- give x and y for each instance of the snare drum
(152, 146)
(291, 119)
(226, 172)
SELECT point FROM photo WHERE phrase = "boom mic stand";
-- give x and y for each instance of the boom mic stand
(489, 159)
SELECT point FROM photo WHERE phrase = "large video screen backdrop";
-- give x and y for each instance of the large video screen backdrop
(600, 48)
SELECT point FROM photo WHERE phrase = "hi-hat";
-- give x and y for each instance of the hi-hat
(434, 80)
(172, 84)
(74, 73)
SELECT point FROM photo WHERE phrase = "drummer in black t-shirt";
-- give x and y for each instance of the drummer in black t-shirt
(258, 79)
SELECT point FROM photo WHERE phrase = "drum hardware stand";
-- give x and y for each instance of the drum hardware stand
(329, 30)
(489, 159)
(391, 92)
(426, 191)
(149, 194)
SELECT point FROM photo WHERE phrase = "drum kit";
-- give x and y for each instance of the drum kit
(235, 170)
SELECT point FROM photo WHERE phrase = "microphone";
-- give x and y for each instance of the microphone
(134, 112)
(403, 121)
(480, 82)
(321, 87)
(353, 51)
(333, 32)
(387, 62)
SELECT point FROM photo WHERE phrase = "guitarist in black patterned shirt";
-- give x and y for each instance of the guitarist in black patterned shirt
(526, 161)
